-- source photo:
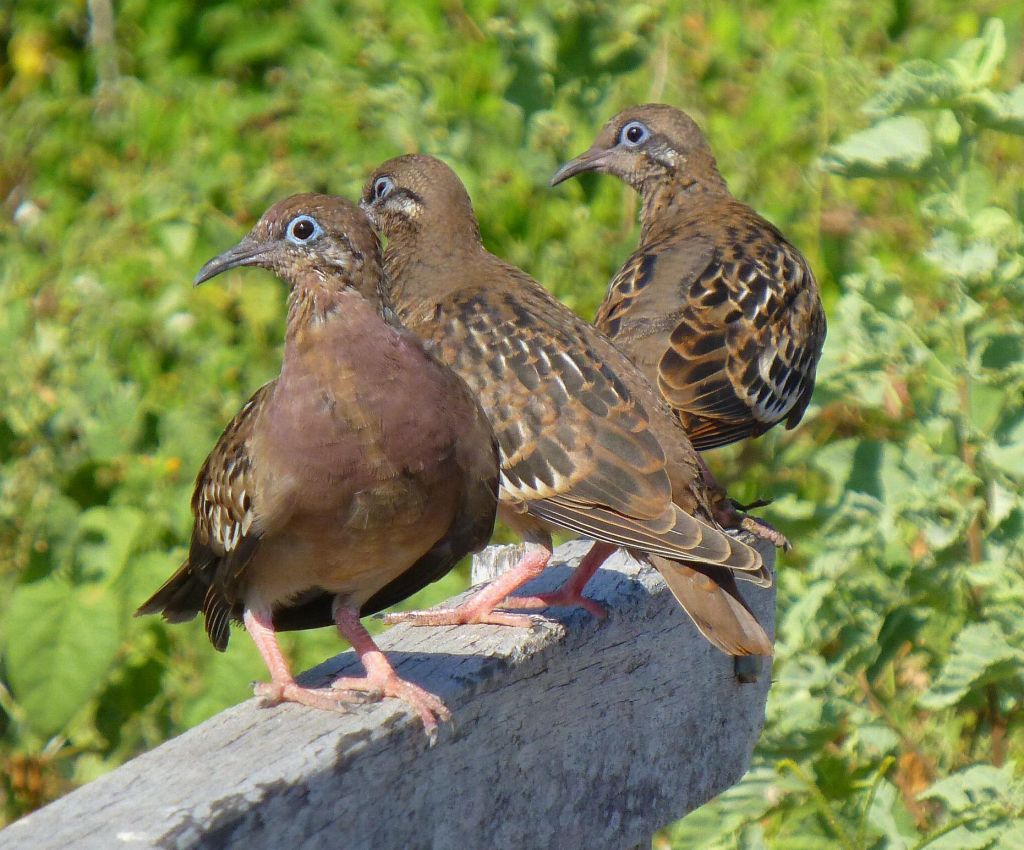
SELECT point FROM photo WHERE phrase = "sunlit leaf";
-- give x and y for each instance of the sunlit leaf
(105, 538)
(888, 816)
(893, 147)
(60, 641)
(977, 61)
(916, 84)
(981, 653)
(1001, 111)
(967, 789)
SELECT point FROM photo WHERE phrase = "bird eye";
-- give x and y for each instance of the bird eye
(634, 133)
(382, 187)
(303, 229)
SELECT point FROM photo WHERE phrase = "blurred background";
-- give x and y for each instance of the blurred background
(885, 139)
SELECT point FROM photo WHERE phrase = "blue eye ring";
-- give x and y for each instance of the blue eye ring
(634, 134)
(302, 230)
(382, 187)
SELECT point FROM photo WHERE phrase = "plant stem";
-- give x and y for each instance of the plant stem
(101, 37)
(998, 722)
(944, 830)
(820, 802)
(862, 826)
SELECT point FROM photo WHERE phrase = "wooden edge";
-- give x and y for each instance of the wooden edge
(576, 733)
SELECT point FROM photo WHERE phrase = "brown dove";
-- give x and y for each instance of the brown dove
(580, 431)
(360, 474)
(717, 308)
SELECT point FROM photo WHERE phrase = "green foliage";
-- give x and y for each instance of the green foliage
(901, 649)
(128, 157)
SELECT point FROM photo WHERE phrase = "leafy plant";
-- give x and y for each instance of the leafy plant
(901, 662)
(136, 145)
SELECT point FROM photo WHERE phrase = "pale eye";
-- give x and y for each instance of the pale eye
(303, 229)
(634, 133)
(382, 187)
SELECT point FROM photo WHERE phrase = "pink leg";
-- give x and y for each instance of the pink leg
(282, 687)
(479, 608)
(381, 678)
(571, 593)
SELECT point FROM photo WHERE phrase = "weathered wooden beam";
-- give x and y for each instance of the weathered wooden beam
(574, 734)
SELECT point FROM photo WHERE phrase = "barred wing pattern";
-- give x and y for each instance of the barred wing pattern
(734, 325)
(576, 446)
(226, 533)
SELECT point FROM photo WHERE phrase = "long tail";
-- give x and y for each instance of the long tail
(710, 597)
(179, 598)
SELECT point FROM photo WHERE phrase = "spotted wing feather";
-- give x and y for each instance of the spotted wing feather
(730, 326)
(576, 445)
(226, 533)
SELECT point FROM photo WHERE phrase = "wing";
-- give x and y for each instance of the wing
(565, 423)
(731, 327)
(225, 535)
(576, 445)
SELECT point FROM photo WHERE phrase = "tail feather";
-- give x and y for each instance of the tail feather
(179, 598)
(710, 597)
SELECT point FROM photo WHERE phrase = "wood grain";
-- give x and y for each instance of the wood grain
(575, 734)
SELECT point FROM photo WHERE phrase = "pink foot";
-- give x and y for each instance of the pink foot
(479, 608)
(564, 597)
(381, 680)
(429, 708)
(765, 531)
(464, 615)
(282, 687)
(729, 515)
(273, 693)
(570, 594)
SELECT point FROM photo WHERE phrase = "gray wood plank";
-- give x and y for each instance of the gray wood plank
(573, 734)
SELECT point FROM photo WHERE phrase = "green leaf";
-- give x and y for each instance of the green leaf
(109, 411)
(978, 60)
(979, 654)
(987, 800)
(985, 404)
(965, 790)
(1012, 837)
(744, 803)
(995, 225)
(104, 541)
(1008, 455)
(973, 261)
(900, 627)
(179, 238)
(947, 130)
(1001, 503)
(61, 641)
(878, 738)
(999, 111)
(964, 838)
(917, 84)
(888, 816)
(894, 147)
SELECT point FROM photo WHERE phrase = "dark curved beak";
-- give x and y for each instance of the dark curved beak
(594, 159)
(248, 252)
